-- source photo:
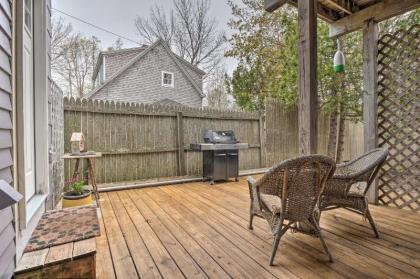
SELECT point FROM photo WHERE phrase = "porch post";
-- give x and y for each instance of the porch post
(370, 94)
(308, 102)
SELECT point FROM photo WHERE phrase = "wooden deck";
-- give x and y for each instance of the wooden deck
(199, 231)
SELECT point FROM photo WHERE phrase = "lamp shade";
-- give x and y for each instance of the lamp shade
(8, 195)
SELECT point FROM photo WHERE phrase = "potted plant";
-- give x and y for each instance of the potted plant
(76, 194)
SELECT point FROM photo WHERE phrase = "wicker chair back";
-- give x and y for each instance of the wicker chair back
(299, 183)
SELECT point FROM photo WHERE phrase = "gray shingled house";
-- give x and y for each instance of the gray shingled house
(147, 74)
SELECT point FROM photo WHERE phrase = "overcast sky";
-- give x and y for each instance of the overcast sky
(118, 16)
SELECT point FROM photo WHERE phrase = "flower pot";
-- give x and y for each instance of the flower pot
(72, 200)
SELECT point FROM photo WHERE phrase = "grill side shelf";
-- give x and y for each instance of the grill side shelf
(218, 146)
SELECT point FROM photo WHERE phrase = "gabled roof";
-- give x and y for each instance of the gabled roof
(188, 64)
(142, 48)
(177, 60)
(113, 52)
(77, 136)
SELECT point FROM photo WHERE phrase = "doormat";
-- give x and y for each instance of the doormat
(63, 226)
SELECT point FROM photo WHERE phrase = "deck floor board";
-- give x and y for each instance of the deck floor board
(196, 231)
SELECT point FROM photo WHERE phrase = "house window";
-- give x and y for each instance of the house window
(167, 79)
(28, 15)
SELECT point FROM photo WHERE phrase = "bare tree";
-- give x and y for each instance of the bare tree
(73, 59)
(157, 26)
(117, 45)
(189, 31)
(80, 58)
(218, 96)
(61, 31)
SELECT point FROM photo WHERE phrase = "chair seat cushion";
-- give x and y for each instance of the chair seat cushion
(271, 202)
(357, 189)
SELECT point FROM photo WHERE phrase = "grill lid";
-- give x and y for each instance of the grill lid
(211, 136)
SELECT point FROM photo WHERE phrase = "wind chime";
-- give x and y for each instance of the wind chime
(339, 68)
(339, 61)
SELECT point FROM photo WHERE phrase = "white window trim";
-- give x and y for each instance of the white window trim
(33, 205)
(28, 210)
(173, 79)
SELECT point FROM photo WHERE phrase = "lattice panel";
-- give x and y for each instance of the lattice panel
(398, 117)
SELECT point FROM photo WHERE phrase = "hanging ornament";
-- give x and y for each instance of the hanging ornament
(339, 61)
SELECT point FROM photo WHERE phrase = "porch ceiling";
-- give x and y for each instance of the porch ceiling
(348, 15)
(330, 10)
(200, 231)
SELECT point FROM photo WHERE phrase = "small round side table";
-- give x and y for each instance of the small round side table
(89, 156)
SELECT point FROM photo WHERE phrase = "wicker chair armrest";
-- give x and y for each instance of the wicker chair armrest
(351, 174)
(254, 193)
(251, 181)
(342, 165)
(348, 176)
(355, 174)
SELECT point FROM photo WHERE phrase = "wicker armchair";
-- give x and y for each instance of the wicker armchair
(350, 183)
(288, 195)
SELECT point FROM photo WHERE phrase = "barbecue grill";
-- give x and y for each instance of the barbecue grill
(220, 155)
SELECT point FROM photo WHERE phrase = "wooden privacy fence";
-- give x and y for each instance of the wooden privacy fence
(398, 117)
(144, 141)
(281, 134)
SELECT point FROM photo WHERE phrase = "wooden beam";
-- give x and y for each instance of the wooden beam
(327, 14)
(344, 6)
(370, 93)
(324, 13)
(378, 12)
(272, 5)
(307, 49)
